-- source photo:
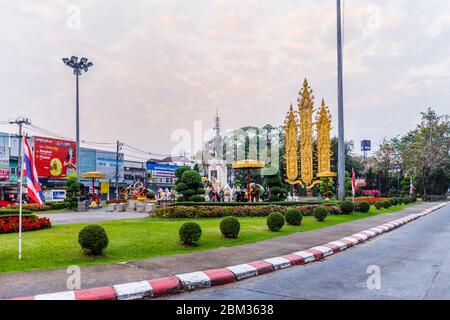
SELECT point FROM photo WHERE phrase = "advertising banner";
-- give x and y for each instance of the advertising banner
(55, 158)
(106, 163)
(4, 174)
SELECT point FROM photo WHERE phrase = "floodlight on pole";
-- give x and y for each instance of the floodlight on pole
(78, 66)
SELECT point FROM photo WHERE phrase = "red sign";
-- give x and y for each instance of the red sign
(4, 174)
(54, 158)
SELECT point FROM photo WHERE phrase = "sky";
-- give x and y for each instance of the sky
(160, 66)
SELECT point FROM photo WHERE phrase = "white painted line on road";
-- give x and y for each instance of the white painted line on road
(278, 262)
(133, 290)
(243, 271)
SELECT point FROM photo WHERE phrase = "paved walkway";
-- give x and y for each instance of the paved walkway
(47, 281)
(90, 216)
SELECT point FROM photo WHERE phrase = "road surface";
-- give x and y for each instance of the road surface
(413, 263)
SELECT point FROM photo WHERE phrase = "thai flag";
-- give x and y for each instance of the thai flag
(29, 170)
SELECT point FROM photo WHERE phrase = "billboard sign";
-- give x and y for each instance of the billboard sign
(366, 145)
(4, 174)
(54, 158)
(161, 172)
(106, 163)
(87, 160)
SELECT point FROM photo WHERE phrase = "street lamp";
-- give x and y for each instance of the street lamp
(78, 66)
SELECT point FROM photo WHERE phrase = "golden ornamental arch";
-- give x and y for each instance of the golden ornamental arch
(304, 127)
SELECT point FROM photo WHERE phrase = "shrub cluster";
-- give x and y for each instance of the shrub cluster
(275, 221)
(190, 233)
(93, 239)
(293, 217)
(214, 211)
(346, 207)
(386, 204)
(27, 207)
(363, 207)
(230, 227)
(320, 213)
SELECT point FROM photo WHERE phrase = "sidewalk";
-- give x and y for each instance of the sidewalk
(48, 281)
(90, 216)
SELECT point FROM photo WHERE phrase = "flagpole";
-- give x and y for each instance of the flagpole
(20, 199)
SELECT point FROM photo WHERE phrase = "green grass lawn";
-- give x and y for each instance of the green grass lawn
(141, 239)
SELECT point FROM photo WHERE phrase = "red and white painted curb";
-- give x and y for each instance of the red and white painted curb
(213, 277)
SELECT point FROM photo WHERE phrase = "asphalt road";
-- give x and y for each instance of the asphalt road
(413, 263)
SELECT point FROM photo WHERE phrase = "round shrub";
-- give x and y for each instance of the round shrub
(363, 206)
(386, 204)
(293, 217)
(346, 207)
(190, 233)
(93, 239)
(275, 221)
(230, 227)
(379, 205)
(412, 199)
(394, 201)
(406, 200)
(320, 213)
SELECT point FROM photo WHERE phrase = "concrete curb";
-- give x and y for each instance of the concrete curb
(213, 277)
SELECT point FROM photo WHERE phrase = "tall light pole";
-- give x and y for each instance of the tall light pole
(78, 67)
(341, 140)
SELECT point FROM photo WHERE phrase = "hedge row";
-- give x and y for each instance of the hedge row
(237, 211)
(12, 211)
(254, 204)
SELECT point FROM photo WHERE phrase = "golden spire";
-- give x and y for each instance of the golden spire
(306, 109)
(323, 124)
(291, 134)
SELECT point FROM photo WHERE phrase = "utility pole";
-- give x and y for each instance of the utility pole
(341, 140)
(119, 147)
(20, 122)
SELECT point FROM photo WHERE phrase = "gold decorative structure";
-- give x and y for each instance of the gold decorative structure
(306, 109)
(291, 146)
(248, 164)
(323, 127)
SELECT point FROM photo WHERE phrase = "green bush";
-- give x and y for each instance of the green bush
(386, 204)
(379, 205)
(320, 213)
(93, 239)
(230, 227)
(190, 233)
(394, 201)
(346, 207)
(363, 207)
(293, 217)
(13, 211)
(414, 198)
(196, 198)
(57, 206)
(275, 221)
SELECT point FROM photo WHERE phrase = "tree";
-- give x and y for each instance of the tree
(73, 188)
(387, 161)
(425, 152)
(274, 183)
(189, 185)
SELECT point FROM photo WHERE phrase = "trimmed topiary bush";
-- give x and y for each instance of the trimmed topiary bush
(293, 217)
(386, 204)
(190, 233)
(363, 207)
(412, 199)
(394, 201)
(230, 227)
(379, 205)
(346, 207)
(320, 213)
(93, 239)
(275, 221)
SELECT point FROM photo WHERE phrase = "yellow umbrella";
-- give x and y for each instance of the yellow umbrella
(248, 164)
(93, 175)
